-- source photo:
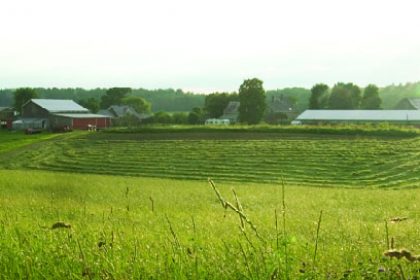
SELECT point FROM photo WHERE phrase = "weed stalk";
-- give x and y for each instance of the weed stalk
(316, 240)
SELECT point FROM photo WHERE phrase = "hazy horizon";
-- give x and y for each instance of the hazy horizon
(207, 46)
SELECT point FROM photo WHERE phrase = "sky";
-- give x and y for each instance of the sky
(207, 45)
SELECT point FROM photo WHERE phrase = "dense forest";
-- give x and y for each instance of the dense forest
(171, 100)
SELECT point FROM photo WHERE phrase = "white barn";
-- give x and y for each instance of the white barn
(359, 116)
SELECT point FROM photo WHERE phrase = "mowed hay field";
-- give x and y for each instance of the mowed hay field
(116, 227)
(138, 206)
(307, 160)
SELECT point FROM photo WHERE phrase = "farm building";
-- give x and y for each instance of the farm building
(122, 111)
(280, 109)
(56, 114)
(231, 111)
(6, 117)
(359, 116)
(408, 104)
(283, 105)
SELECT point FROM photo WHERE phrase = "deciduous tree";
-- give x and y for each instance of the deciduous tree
(23, 95)
(319, 96)
(371, 99)
(216, 103)
(196, 116)
(139, 104)
(252, 98)
(91, 103)
(345, 96)
(114, 96)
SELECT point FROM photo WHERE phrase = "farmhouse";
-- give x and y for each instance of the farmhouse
(6, 117)
(408, 104)
(280, 109)
(123, 111)
(57, 114)
(359, 116)
(282, 105)
(231, 112)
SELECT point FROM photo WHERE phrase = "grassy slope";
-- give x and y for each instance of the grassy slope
(206, 241)
(14, 140)
(248, 157)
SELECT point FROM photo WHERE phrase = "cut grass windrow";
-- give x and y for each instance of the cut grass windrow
(354, 162)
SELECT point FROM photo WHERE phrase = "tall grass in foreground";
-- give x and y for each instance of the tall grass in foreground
(282, 270)
(55, 226)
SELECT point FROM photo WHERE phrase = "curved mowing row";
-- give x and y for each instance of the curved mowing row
(330, 162)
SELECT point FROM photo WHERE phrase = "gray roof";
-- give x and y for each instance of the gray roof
(232, 108)
(59, 105)
(106, 112)
(415, 102)
(122, 110)
(119, 111)
(360, 115)
(281, 104)
(82, 116)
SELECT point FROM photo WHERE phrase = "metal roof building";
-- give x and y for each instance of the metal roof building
(59, 105)
(336, 116)
(56, 114)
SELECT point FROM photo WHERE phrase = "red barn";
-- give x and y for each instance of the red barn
(58, 114)
(81, 121)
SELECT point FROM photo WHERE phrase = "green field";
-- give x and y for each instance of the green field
(10, 141)
(313, 160)
(116, 234)
(164, 220)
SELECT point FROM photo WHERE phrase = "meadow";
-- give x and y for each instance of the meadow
(136, 206)
(310, 160)
(12, 140)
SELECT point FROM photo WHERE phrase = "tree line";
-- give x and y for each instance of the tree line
(176, 100)
(251, 95)
(170, 100)
(344, 96)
